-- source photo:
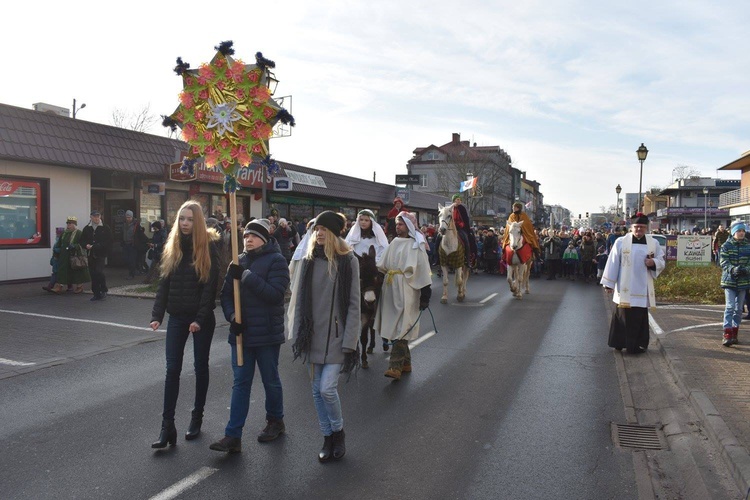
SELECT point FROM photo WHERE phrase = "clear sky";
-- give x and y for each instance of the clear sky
(569, 89)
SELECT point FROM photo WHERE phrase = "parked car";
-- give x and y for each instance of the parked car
(662, 241)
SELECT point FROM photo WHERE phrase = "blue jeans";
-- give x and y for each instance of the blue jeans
(267, 359)
(325, 382)
(734, 299)
(177, 335)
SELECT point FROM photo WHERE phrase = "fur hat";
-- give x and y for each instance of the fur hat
(260, 228)
(331, 221)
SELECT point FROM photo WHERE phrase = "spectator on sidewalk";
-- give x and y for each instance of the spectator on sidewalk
(129, 252)
(734, 258)
(570, 261)
(187, 291)
(97, 239)
(720, 237)
(67, 246)
(635, 260)
(264, 277)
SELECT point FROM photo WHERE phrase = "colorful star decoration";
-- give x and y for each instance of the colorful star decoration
(226, 112)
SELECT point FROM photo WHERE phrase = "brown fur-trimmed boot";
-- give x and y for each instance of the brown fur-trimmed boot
(727, 337)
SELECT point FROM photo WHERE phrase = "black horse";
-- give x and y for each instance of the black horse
(370, 284)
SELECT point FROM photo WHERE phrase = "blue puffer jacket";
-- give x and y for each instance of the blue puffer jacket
(735, 256)
(262, 289)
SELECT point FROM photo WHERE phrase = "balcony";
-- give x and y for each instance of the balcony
(736, 198)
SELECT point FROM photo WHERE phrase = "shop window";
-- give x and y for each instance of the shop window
(24, 222)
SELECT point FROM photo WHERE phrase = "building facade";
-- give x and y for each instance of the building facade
(695, 201)
(737, 201)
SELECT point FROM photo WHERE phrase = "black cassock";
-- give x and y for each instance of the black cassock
(629, 329)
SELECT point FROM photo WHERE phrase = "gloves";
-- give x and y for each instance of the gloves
(235, 271)
(235, 328)
(351, 362)
(735, 271)
(424, 297)
(741, 271)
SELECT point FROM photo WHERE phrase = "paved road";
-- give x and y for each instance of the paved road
(510, 399)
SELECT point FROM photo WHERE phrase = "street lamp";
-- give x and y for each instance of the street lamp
(705, 208)
(642, 153)
(618, 190)
(77, 110)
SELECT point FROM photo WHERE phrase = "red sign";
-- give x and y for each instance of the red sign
(249, 177)
(175, 174)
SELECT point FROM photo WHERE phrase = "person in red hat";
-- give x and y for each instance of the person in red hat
(390, 219)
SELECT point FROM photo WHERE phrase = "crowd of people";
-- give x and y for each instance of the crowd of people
(317, 261)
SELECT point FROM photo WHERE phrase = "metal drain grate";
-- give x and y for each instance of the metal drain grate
(642, 437)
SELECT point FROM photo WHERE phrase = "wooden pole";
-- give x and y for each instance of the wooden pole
(235, 260)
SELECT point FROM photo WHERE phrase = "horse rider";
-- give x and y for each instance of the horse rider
(463, 226)
(527, 230)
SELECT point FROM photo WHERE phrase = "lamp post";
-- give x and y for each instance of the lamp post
(618, 190)
(642, 153)
(271, 83)
(705, 208)
(77, 110)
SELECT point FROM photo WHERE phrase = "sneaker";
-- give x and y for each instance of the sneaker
(274, 428)
(227, 445)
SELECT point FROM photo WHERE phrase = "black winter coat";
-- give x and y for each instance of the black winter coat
(181, 294)
(100, 240)
(262, 289)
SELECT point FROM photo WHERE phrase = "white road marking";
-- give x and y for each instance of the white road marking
(107, 323)
(10, 362)
(421, 339)
(654, 325)
(488, 298)
(696, 326)
(185, 484)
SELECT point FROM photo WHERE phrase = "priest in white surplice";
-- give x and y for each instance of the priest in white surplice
(635, 260)
(406, 292)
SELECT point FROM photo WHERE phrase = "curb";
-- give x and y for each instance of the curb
(734, 454)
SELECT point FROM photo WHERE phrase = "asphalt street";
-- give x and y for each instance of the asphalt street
(509, 399)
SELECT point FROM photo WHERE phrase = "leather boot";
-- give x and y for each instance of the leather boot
(168, 435)
(274, 428)
(227, 445)
(195, 426)
(735, 331)
(339, 445)
(58, 288)
(326, 452)
(727, 337)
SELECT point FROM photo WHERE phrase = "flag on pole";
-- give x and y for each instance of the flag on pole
(528, 205)
(469, 184)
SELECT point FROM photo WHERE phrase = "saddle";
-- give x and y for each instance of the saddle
(524, 253)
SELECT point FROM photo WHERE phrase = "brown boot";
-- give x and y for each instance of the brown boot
(727, 337)
(58, 288)
(393, 373)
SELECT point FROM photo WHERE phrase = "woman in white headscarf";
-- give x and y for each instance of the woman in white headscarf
(299, 254)
(365, 233)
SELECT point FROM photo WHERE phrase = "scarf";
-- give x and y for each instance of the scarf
(303, 342)
(626, 270)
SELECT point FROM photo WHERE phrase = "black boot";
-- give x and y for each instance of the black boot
(274, 429)
(227, 445)
(195, 426)
(168, 435)
(326, 452)
(339, 446)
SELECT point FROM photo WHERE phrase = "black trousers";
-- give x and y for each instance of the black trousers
(98, 280)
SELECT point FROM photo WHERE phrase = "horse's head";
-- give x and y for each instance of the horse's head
(369, 277)
(516, 236)
(445, 216)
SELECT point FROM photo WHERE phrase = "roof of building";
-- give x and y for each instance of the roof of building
(27, 135)
(740, 163)
(359, 189)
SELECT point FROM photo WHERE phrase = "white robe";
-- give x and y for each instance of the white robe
(363, 246)
(640, 276)
(398, 307)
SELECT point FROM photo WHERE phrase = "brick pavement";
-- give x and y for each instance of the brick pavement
(716, 379)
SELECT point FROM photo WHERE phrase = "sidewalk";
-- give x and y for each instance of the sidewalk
(715, 379)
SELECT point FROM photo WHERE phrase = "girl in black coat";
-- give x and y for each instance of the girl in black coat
(189, 272)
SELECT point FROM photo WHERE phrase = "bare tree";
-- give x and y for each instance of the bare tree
(684, 171)
(139, 121)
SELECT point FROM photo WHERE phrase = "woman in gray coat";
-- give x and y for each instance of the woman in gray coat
(327, 323)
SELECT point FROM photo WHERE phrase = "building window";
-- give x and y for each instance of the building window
(423, 180)
(430, 155)
(24, 219)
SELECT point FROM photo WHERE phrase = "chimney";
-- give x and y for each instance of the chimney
(475, 144)
(456, 138)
